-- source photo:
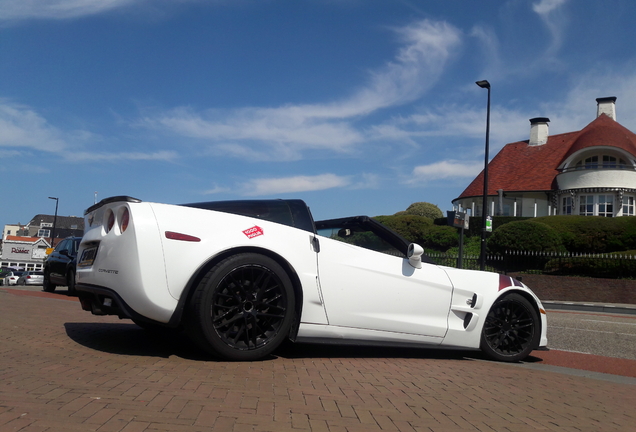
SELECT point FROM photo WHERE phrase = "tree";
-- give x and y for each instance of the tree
(425, 209)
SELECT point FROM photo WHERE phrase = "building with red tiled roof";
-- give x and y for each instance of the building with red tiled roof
(591, 172)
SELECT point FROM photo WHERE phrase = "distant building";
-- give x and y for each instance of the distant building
(65, 226)
(24, 246)
(590, 172)
(15, 230)
(25, 253)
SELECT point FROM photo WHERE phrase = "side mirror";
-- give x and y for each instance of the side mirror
(414, 255)
(344, 233)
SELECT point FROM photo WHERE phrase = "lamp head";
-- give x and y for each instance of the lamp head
(483, 84)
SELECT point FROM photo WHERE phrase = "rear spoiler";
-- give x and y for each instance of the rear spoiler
(111, 200)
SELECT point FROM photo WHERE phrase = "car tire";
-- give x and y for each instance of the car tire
(512, 329)
(70, 283)
(242, 309)
(47, 286)
(22, 283)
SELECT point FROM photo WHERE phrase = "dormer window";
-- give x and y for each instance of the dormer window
(607, 162)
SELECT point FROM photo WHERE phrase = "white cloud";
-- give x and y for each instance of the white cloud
(270, 186)
(546, 6)
(286, 132)
(56, 9)
(446, 169)
(216, 189)
(551, 13)
(22, 127)
(166, 156)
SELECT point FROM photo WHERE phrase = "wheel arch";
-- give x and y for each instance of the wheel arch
(196, 277)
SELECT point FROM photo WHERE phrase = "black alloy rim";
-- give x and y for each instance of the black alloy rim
(248, 307)
(509, 328)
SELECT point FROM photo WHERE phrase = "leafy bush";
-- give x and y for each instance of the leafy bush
(594, 234)
(425, 209)
(421, 230)
(527, 235)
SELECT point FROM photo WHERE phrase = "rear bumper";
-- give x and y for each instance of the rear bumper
(103, 301)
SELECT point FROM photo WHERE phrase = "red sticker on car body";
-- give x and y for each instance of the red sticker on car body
(255, 231)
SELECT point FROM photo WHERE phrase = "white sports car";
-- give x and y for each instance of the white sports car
(242, 276)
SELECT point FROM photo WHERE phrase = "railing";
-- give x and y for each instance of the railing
(613, 266)
(597, 166)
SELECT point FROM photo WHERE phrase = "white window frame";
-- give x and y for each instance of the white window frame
(567, 206)
(628, 205)
(597, 205)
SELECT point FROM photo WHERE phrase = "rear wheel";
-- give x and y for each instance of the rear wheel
(70, 282)
(511, 330)
(243, 308)
(46, 283)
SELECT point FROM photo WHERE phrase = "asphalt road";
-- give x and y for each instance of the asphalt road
(609, 335)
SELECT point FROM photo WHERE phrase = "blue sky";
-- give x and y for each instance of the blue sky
(355, 106)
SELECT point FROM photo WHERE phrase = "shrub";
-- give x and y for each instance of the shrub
(527, 235)
(425, 209)
(617, 264)
(594, 234)
(420, 230)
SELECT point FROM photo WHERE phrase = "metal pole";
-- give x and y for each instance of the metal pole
(54, 221)
(484, 213)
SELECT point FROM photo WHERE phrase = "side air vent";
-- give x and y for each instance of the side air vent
(473, 302)
(467, 319)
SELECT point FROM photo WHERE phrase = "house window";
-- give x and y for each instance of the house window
(44, 233)
(586, 205)
(607, 162)
(606, 205)
(596, 205)
(628, 206)
(567, 206)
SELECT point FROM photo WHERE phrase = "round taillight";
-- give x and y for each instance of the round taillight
(125, 219)
(111, 221)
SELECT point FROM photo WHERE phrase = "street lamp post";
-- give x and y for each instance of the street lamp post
(484, 213)
(54, 221)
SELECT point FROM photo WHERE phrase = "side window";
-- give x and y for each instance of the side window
(362, 238)
(62, 246)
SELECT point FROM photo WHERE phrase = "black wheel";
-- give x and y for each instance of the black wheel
(70, 282)
(46, 283)
(22, 282)
(511, 330)
(243, 308)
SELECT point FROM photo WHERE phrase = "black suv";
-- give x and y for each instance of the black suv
(59, 267)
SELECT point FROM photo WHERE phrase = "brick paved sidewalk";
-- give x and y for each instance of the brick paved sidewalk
(62, 369)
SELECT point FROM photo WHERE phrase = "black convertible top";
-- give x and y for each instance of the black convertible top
(293, 212)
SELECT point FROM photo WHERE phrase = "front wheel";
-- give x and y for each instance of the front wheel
(511, 330)
(243, 308)
(47, 286)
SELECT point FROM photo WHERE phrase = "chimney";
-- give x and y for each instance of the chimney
(538, 131)
(606, 105)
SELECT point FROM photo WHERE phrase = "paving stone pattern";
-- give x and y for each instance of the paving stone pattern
(62, 369)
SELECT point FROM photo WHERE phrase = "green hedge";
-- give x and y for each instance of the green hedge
(594, 234)
(421, 230)
(618, 264)
(526, 235)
